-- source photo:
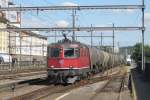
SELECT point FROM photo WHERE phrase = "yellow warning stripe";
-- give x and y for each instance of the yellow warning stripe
(133, 89)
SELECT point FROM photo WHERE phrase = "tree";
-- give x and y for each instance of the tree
(137, 53)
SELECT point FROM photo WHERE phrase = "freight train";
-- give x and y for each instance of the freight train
(70, 61)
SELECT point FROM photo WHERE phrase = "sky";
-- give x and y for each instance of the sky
(88, 17)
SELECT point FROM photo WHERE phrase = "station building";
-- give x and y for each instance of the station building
(3, 35)
(27, 46)
(23, 46)
(3, 39)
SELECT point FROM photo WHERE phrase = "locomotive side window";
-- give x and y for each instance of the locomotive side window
(81, 52)
(71, 52)
(77, 52)
(86, 53)
(54, 52)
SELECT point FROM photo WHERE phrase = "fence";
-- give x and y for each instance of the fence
(23, 65)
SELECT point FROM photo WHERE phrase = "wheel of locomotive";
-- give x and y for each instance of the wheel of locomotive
(88, 75)
(51, 79)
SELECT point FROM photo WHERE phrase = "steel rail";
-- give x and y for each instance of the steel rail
(90, 7)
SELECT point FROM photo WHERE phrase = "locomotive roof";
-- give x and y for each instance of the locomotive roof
(67, 41)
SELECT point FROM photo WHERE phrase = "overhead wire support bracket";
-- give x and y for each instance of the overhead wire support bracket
(74, 29)
(42, 8)
(68, 36)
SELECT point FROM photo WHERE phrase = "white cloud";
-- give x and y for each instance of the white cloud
(123, 10)
(130, 10)
(69, 4)
(37, 32)
(100, 25)
(147, 16)
(147, 22)
(61, 23)
(33, 21)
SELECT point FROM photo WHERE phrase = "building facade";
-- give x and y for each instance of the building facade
(23, 46)
(26, 46)
(3, 35)
(3, 39)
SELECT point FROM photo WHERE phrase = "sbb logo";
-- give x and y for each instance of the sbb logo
(61, 62)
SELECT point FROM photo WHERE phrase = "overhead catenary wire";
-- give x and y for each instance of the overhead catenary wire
(96, 36)
(42, 8)
(9, 28)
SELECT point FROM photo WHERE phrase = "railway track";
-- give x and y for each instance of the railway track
(52, 89)
(14, 75)
(121, 87)
(40, 89)
(18, 80)
(114, 86)
(16, 71)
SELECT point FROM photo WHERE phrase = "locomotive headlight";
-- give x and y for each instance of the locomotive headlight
(70, 67)
(52, 66)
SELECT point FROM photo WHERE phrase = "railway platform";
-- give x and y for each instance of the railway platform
(140, 87)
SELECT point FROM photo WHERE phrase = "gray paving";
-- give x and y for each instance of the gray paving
(82, 93)
(90, 92)
(142, 87)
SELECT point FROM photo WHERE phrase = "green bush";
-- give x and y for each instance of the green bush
(137, 52)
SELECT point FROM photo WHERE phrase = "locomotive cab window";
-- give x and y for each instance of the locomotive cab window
(54, 52)
(71, 52)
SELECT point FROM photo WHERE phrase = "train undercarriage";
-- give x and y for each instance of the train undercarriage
(69, 76)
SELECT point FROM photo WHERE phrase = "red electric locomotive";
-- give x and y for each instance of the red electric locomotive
(67, 61)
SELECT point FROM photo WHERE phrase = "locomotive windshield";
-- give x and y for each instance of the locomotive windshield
(71, 52)
(54, 52)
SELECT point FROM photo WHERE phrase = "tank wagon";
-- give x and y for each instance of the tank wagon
(69, 61)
